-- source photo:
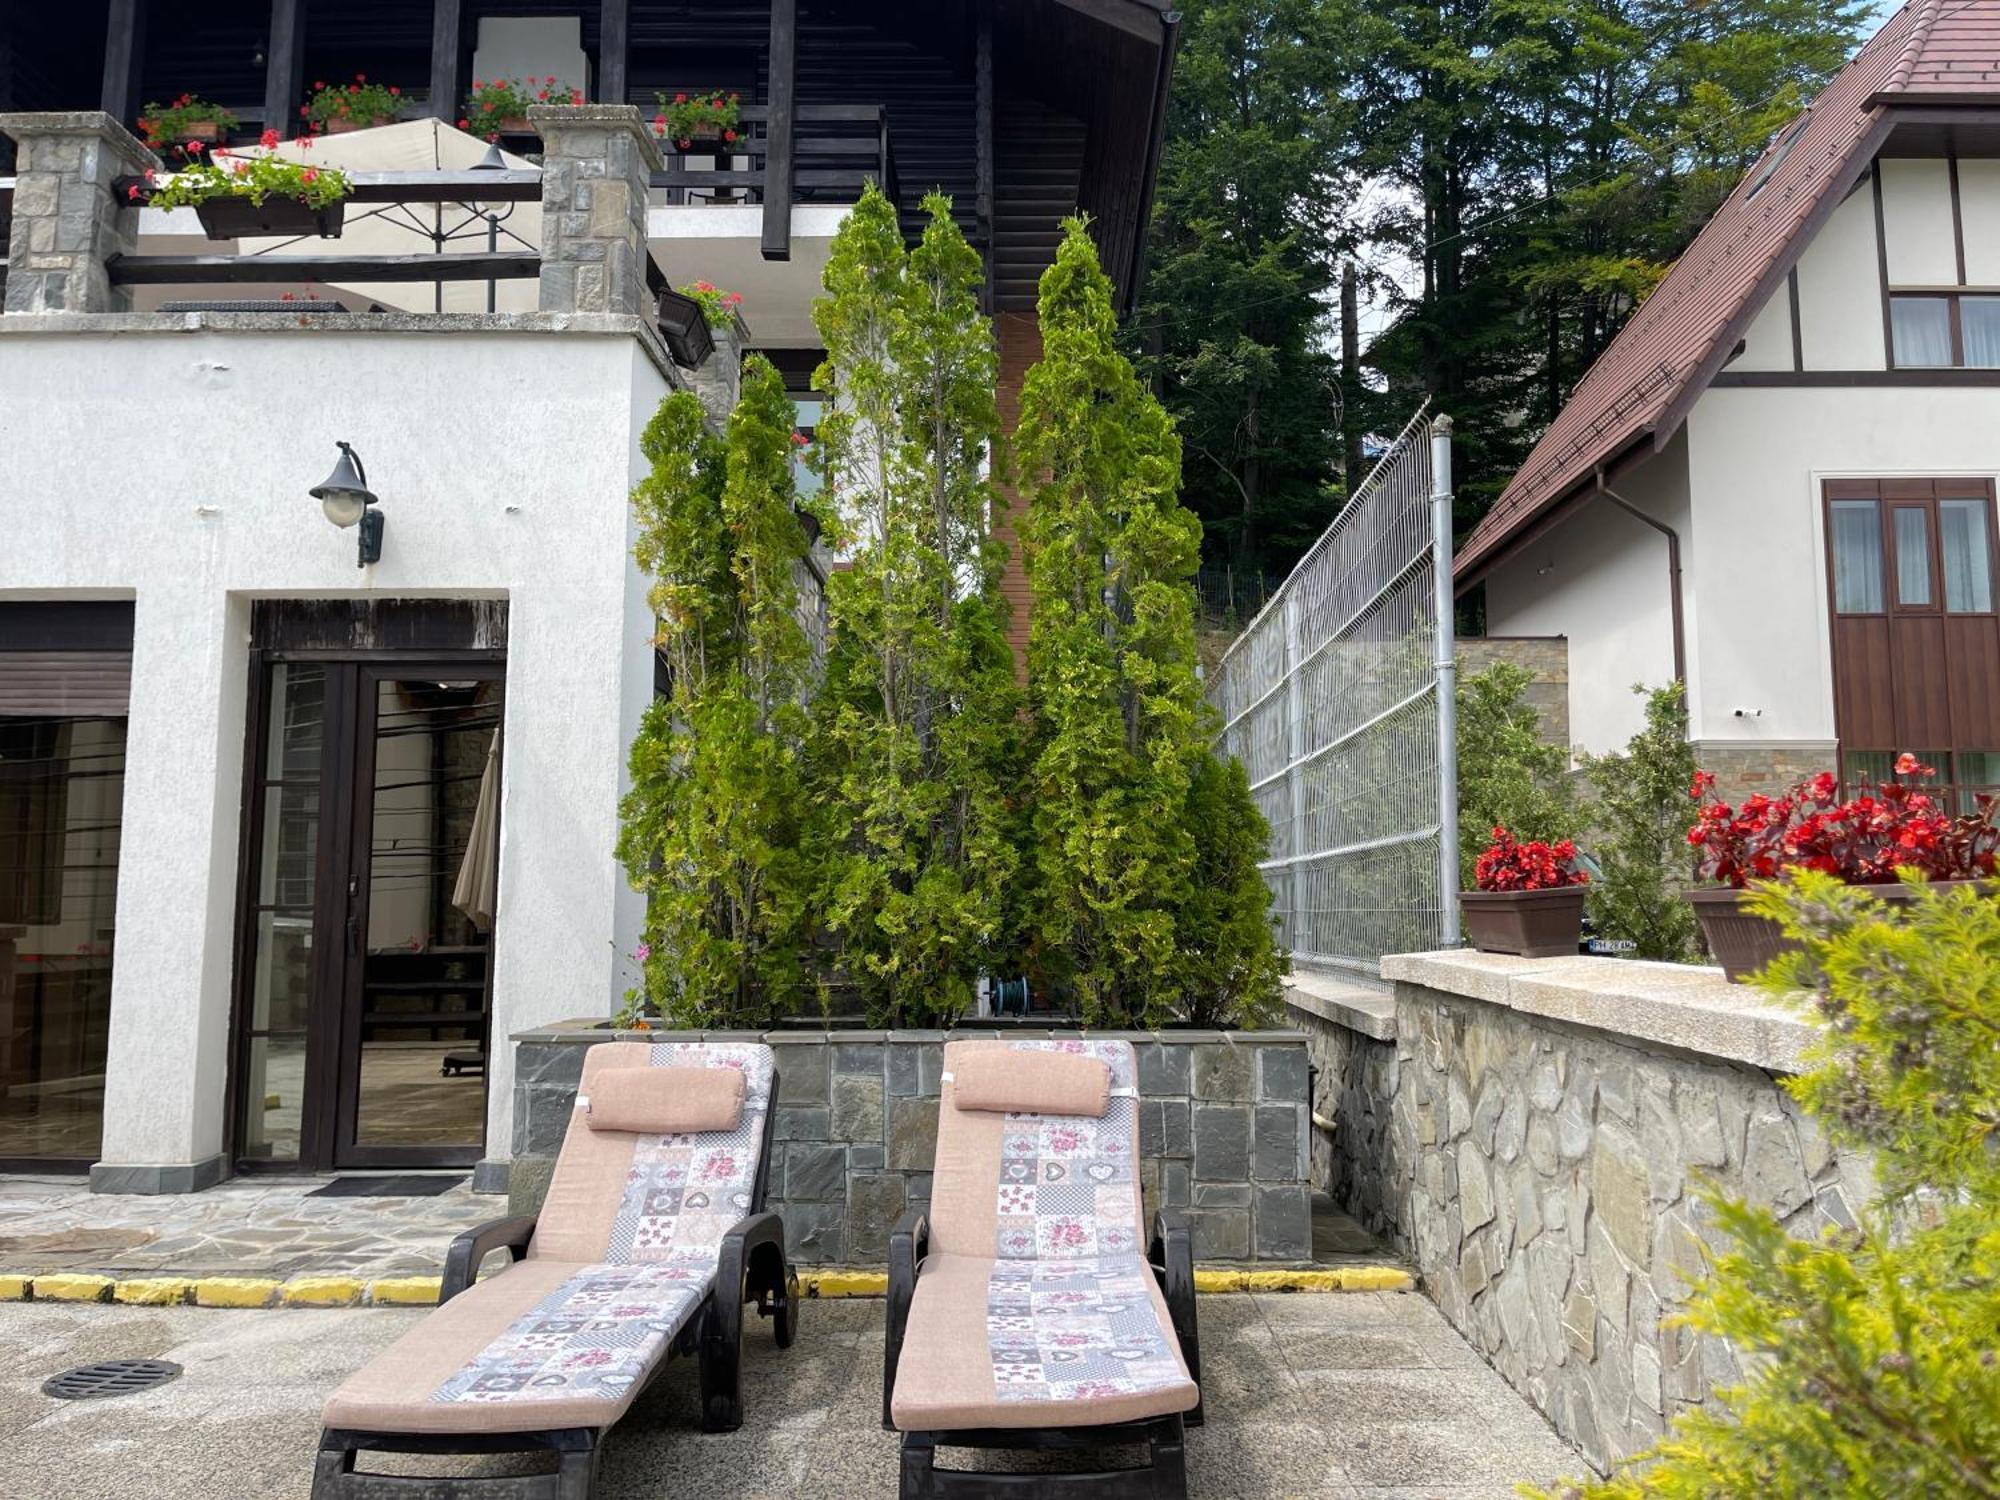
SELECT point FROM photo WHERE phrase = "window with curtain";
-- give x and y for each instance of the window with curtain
(1979, 325)
(1913, 557)
(1967, 550)
(1857, 557)
(1920, 331)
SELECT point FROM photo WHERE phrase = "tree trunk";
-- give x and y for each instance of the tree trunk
(1350, 375)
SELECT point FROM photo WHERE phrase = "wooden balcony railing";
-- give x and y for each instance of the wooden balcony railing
(836, 149)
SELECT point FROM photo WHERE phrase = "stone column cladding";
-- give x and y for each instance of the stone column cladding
(1546, 657)
(1541, 1164)
(67, 222)
(1222, 1131)
(597, 164)
(1745, 766)
(719, 381)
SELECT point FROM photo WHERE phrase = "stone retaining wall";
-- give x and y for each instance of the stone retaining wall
(1222, 1131)
(1533, 1133)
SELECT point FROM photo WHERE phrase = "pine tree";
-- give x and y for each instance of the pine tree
(712, 827)
(917, 741)
(1110, 554)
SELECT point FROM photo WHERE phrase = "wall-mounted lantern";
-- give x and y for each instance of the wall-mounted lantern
(347, 501)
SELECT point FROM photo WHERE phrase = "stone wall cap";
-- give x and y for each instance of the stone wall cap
(601, 117)
(1683, 1006)
(1345, 1000)
(86, 122)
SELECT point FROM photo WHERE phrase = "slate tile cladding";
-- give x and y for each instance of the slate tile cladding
(1224, 1126)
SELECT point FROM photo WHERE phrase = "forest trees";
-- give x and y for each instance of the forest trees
(1509, 178)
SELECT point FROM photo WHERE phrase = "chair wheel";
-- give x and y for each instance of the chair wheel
(785, 1316)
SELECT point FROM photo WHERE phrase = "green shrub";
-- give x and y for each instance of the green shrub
(1642, 813)
(1508, 775)
(1874, 1374)
(1232, 967)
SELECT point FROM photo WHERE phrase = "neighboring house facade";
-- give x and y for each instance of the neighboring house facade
(1779, 479)
(290, 847)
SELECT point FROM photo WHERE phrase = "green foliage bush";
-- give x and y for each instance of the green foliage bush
(712, 827)
(1508, 775)
(1875, 1374)
(917, 745)
(1641, 813)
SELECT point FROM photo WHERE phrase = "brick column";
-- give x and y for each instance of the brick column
(598, 160)
(67, 224)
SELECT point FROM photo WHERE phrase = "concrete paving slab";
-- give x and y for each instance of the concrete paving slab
(241, 1422)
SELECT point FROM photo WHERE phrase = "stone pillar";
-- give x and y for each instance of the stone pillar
(67, 223)
(597, 163)
(719, 381)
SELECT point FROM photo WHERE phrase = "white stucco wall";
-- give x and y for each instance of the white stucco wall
(1768, 344)
(1979, 212)
(1840, 290)
(1600, 579)
(172, 467)
(1916, 221)
(1756, 459)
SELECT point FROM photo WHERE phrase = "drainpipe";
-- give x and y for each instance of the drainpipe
(1673, 569)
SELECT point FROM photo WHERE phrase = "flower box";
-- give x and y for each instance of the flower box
(1743, 942)
(201, 130)
(234, 217)
(1529, 924)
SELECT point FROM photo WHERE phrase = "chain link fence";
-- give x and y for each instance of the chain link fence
(1339, 699)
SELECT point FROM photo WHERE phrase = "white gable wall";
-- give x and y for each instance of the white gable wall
(1601, 580)
(1840, 290)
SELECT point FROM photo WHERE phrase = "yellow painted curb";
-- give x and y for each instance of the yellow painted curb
(844, 1283)
(72, 1288)
(323, 1291)
(152, 1291)
(15, 1288)
(405, 1291)
(235, 1291)
(1376, 1279)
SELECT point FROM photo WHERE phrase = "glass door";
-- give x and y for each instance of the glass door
(373, 832)
(415, 1032)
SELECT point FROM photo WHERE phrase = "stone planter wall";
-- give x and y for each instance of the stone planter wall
(1532, 1134)
(1222, 1132)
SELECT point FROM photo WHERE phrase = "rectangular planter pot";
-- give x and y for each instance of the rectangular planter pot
(1531, 924)
(1744, 943)
(234, 218)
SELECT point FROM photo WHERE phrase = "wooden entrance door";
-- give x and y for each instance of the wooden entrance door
(371, 840)
(1912, 571)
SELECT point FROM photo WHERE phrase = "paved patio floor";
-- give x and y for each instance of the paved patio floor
(1346, 1395)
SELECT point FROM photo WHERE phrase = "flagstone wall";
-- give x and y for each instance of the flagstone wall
(1222, 1131)
(1534, 1135)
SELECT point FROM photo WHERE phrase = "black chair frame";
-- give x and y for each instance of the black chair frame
(1170, 1253)
(752, 1260)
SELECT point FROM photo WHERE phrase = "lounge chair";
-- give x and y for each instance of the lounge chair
(1022, 1313)
(651, 1239)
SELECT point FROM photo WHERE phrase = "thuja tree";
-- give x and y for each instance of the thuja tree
(1121, 729)
(1508, 775)
(712, 827)
(1643, 813)
(1874, 1374)
(917, 735)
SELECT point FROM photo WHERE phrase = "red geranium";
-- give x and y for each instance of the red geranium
(1509, 865)
(1897, 825)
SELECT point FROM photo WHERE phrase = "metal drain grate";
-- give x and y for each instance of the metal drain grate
(112, 1377)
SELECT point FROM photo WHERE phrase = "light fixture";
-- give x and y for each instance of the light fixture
(685, 328)
(347, 501)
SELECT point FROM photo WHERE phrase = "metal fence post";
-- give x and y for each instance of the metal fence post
(1447, 681)
(1295, 750)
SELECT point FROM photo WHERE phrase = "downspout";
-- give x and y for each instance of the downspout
(1673, 569)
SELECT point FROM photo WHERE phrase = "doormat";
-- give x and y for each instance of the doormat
(408, 1185)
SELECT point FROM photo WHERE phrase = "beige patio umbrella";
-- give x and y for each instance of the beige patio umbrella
(416, 228)
(476, 890)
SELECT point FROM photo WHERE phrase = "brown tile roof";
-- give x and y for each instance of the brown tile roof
(1644, 382)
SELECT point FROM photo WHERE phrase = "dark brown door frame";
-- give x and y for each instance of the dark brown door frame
(328, 1111)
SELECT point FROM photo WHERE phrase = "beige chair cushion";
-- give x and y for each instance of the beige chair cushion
(1037, 1343)
(543, 1344)
(1006, 1081)
(665, 1101)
